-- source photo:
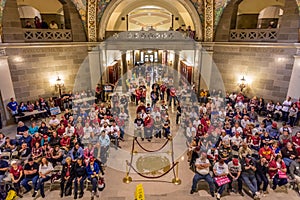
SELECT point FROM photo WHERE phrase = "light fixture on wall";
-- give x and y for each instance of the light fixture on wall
(242, 83)
(59, 83)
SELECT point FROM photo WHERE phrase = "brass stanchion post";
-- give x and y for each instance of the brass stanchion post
(127, 179)
(176, 180)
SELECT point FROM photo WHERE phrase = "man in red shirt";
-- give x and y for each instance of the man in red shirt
(266, 152)
(16, 173)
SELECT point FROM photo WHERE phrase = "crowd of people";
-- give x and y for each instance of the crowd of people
(226, 139)
(231, 144)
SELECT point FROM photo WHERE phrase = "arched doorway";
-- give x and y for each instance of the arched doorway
(120, 13)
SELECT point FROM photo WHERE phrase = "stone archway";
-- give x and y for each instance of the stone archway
(184, 4)
(12, 30)
(288, 31)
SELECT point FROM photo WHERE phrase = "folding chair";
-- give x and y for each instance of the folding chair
(6, 156)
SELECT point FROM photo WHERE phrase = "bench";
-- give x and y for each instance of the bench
(27, 114)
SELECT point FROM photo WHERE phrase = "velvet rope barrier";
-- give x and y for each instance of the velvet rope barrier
(152, 151)
(151, 177)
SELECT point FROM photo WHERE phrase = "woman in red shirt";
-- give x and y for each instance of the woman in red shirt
(277, 171)
(16, 174)
(296, 141)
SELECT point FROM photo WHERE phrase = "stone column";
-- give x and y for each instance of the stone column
(92, 20)
(67, 17)
(227, 21)
(209, 20)
(206, 68)
(176, 72)
(288, 30)
(95, 67)
(293, 90)
(124, 71)
(6, 86)
(11, 24)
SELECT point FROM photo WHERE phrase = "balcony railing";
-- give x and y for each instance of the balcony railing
(47, 35)
(150, 35)
(253, 35)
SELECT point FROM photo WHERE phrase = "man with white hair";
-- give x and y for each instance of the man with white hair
(202, 165)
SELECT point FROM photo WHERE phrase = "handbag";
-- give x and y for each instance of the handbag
(282, 175)
(222, 180)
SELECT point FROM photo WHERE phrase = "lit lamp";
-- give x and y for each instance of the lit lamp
(59, 83)
(242, 84)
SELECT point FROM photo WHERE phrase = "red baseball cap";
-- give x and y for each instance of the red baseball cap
(274, 124)
(235, 161)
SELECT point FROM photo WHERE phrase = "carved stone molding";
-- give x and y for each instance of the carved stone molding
(208, 20)
(92, 20)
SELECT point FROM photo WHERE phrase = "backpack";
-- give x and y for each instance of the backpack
(11, 195)
(101, 184)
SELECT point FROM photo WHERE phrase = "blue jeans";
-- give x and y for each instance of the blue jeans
(250, 181)
(208, 179)
(25, 184)
(81, 186)
(287, 161)
(262, 178)
(94, 182)
(40, 184)
(220, 188)
(103, 154)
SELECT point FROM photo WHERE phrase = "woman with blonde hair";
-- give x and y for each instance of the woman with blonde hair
(67, 175)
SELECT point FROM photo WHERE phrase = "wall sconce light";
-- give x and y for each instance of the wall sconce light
(59, 83)
(242, 83)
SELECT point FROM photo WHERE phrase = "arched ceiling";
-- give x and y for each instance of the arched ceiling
(127, 6)
(147, 16)
(255, 6)
(45, 7)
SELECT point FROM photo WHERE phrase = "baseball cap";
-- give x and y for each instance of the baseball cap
(274, 125)
(235, 161)
(92, 159)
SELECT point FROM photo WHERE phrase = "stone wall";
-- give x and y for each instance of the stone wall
(268, 68)
(32, 68)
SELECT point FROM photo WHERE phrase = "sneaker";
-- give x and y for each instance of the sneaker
(218, 196)
(34, 193)
(241, 193)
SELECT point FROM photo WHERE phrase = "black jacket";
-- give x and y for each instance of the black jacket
(64, 171)
(80, 171)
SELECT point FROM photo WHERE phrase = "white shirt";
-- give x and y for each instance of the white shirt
(286, 105)
(202, 171)
(190, 130)
(54, 121)
(70, 131)
(220, 169)
(115, 130)
(87, 131)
